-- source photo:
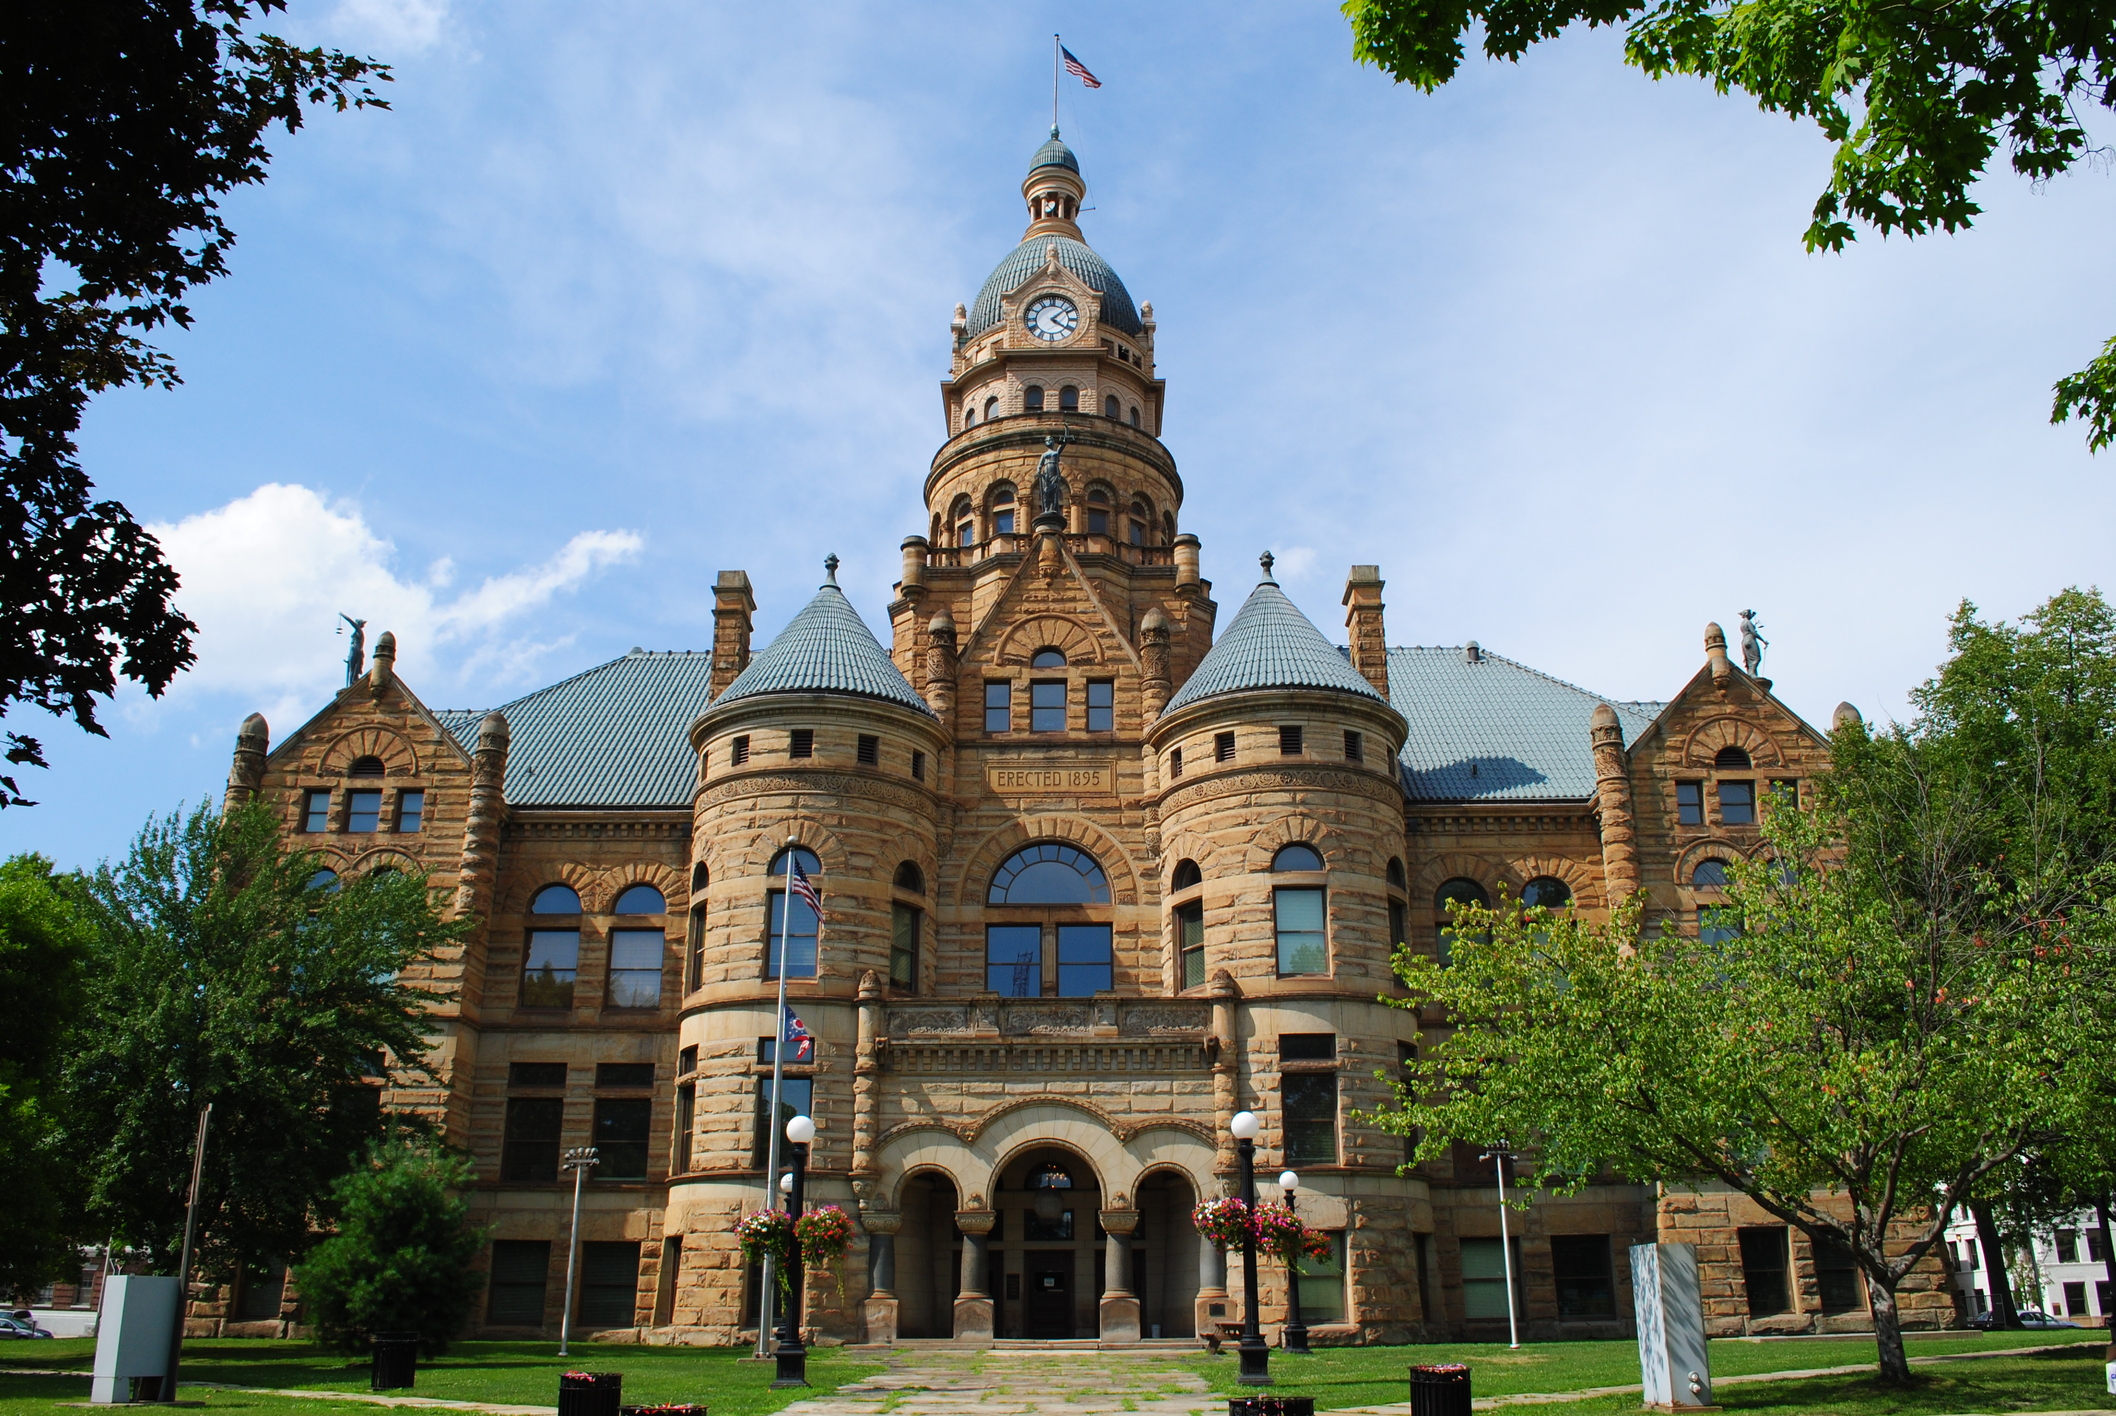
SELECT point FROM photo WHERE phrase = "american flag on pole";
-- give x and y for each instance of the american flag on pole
(1077, 69)
(807, 891)
(796, 1032)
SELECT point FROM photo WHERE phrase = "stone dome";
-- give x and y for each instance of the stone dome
(1026, 259)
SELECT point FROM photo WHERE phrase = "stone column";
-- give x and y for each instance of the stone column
(481, 829)
(1224, 996)
(940, 668)
(252, 741)
(973, 1306)
(1120, 1306)
(878, 1312)
(1612, 774)
(1155, 686)
(866, 1068)
(1211, 1304)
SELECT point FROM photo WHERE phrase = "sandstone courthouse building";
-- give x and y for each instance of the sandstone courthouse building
(1100, 868)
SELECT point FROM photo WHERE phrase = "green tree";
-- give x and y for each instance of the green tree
(220, 973)
(1854, 1060)
(1916, 97)
(43, 944)
(122, 125)
(401, 1259)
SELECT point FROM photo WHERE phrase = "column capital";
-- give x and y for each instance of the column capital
(1119, 1221)
(881, 1221)
(977, 1222)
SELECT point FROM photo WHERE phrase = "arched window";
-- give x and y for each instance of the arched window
(1168, 524)
(1003, 509)
(1048, 659)
(1710, 875)
(324, 880)
(1296, 857)
(555, 900)
(1050, 1176)
(1046, 874)
(1399, 908)
(372, 767)
(1190, 927)
(641, 900)
(1396, 873)
(1032, 398)
(1069, 399)
(791, 934)
(1111, 408)
(694, 940)
(700, 878)
(1049, 873)
(991, 409)
(1141, 517)
(1547, 891)
(969, 417)
(1734, 758)
(963, 517)
(910, 877)
(1187, 874)
(1135, 415)
(1454, 892)
(1098, 511)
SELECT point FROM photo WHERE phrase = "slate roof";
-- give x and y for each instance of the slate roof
(1496, 730)
(1270, 644)
(1054, 154)
(827, 649)
(615, 735)
(1076, 256)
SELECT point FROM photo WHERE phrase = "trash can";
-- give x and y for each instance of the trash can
(590, 1393)
(1271, 1406)
(1440, 1390)
(396, 1361)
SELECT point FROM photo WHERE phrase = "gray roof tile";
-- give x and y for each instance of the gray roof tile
(827, 649)
(1270, 644)
(1026, 259)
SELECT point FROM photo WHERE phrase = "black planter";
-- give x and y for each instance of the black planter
(591, 1393)
(395, 1362)
(1440, 1391)
(1271, 1406)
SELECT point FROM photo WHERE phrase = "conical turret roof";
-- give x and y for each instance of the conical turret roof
(827, 649)
(1271, 644)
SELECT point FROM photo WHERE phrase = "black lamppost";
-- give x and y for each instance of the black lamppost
(792, 1356)
(1256, 1358)
(1296, 1331)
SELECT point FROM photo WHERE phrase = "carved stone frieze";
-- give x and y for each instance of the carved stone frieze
(832, 784)
(1283, 779)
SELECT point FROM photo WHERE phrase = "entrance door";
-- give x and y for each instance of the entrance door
(1048, 1305)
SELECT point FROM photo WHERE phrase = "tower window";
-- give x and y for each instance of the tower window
(1355, 747)
(1289, 740)
(918, 766)
(1111, 408)
(1175, 763)
(1069, 399)
(1097, 512)
(1101, 706)
(738, 752)
(903, 947)
(870, 749)
(1002, 510)
(999, 707)
(969, 417)
(1047, 707)
(1135, 415)
(991, 409)
(1223, 747)
(1190, 943)
(1032, 398)
(802, 743)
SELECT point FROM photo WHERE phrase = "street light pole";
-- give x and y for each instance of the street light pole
(580, 1160)
(792, 1354)
(183, 1263)
(1256, 1357)
(1506, 1248)
(1296, 1338)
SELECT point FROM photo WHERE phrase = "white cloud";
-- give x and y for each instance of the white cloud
(267, 576)
(393, 28)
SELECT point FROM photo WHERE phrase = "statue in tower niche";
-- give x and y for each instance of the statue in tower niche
(1752, 643)
(1050, 485)
(356, 655)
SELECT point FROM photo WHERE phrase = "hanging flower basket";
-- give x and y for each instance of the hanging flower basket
(1280, 1234)
(765, 1233)
(1224, 1222)
(826, 1233)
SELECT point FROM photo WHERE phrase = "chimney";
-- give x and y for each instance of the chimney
(1370, 645)
(733, 609)
(385, 669)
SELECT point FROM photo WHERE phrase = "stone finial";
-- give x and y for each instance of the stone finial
(1716, 656)
(1603, 721)
(1619, 829)
(1186, 558)
(484, 819)
(493, 732)
(1846, 716)
(872, 990)
(385, 669)
(1473, 653)
(1156, 686)
(253, 740)
(1267, 560)
(830, 571)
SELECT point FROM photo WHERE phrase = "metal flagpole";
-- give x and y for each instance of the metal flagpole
(778, 1072)
(1056, 46)
(183, 1264)
(1506, 1252)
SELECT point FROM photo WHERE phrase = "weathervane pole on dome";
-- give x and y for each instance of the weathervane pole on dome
(1057, 48)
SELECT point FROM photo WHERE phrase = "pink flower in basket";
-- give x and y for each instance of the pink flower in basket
(826, 1232)
(1224, 1222)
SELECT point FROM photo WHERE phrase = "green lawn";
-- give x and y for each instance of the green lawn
(1370, 1376)
(2067, 1381)
(507, 1373)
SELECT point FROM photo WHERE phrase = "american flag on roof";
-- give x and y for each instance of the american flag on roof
(796, 1032)
(807, 891)
(1077, 69)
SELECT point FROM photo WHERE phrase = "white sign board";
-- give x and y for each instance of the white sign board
(1671, 1326)
(139, 1321)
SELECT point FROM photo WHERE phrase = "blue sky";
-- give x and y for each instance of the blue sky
(618, 296)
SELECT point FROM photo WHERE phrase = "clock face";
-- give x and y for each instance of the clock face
(1052, 317)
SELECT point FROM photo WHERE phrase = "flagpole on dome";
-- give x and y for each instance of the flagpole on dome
(772, 1125)
(1057, 47)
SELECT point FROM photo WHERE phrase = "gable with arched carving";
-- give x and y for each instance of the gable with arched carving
(1706, 740)
(1070, 636)
(397, 755)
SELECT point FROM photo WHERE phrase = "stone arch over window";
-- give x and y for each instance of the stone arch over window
(1585, 887)
(739, 853)
(1705, 742)
(991, 408)
(1049, 873)
(1709, 873)
(962, 523)
(1139, 529)
(1297, 855)
(1546, 892)
(1001, 508)
(578, 878)
(396, 755)
(910, 877)
(1186, 875)
(1698, 853)
(639, 898)
(380, 859)
(984, 859)
(969, 416)
(1100, 501)
(1295, 829)
(1395, 875)
(1079, 643)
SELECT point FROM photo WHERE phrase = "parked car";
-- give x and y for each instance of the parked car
(18, 1327)
(2033, 1318)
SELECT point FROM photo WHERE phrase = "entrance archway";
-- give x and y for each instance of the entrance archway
(1167, 1252)
(928, 1257)
(1046, 1246)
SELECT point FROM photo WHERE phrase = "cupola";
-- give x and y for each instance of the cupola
(1271, 644)
(826, 649)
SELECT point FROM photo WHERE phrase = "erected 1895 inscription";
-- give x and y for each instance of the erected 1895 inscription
(1031, 778)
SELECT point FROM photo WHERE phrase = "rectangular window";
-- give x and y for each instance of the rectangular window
(1837, 1279)
(1101, 707)
(1289, 740)
(1310, 1101)
(1307, 1047)
(1737, 803)
(799, 941)
(686, 1122)
(686, 1061)
(316, 811)
(609, 1284)
(1175, 763)
(1399, 925)
(1785, 792)
(1046, 707)
(529, 1148)
(1718, 924)
(1586, 1285)
(2075, 1300)
(1763, 1270)
(802, 743)
(635, 968)
(519, 1270)
(536, 1074)
(549, 968)
(903, 947)
(1322, 1284)
(1690, 803)
(1085, 960)
(1299, 917)
(411, 812)
(1097, 522)
(967, 535)
(999, 707)
(796, 1098)
(363, 809)
(1484, 1279)
(1223, 747)
(1014, 960)
(870, 749)
(2101, 1295)
(1355, 746)
(738, 751)
(918, 766)
(1190, 943)
(616, 1076)
(621, 1129)
(1003, 522)
(694, 952)
(2067, 1246)
(2097, 1253)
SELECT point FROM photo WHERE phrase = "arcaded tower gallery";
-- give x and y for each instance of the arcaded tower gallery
(1094, 879)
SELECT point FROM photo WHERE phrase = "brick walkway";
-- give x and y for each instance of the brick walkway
(945, 1381)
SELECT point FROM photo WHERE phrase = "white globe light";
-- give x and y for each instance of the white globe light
(786, 1183)
(1244, 1126)
(1288, 1181)
(801, 1130)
